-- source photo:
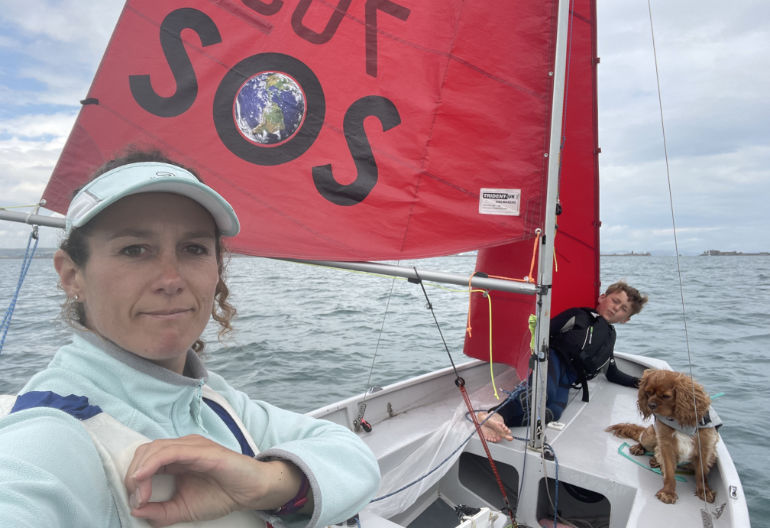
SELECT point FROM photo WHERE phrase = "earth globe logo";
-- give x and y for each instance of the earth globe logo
(270, 108)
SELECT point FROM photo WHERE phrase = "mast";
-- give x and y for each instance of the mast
(546, 252)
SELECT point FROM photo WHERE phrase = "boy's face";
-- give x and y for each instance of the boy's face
(615, 307)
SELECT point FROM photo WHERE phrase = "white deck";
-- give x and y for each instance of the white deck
(587, 455)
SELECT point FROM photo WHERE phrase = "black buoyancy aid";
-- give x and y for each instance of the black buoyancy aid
(585, 340)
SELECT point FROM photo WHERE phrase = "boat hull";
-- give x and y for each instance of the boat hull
(420, 423)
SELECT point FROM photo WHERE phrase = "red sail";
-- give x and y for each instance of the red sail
(371, 130)
(576, 271)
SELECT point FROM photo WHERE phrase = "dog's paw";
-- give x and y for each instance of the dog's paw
(669, 497)
(654, 462)
(708, 496)
(637, 450)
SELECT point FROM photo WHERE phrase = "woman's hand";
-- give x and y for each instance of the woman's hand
(211, 481)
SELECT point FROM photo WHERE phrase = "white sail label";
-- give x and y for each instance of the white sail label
(500, 201)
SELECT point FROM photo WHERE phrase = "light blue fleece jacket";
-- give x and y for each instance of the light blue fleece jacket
(52, 475)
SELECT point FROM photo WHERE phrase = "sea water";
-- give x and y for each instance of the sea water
(306, 336)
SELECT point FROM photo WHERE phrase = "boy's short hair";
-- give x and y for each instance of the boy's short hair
(636, 298)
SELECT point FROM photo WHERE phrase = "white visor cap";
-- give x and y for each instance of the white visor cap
(142, 177)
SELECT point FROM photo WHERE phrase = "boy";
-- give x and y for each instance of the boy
(581, 342)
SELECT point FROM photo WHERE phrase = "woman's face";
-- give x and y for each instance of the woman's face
(151, 275)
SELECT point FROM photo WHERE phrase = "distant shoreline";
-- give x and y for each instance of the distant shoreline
(709, 253)
(717, 253)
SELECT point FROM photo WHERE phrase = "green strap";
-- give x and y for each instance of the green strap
(635, 461)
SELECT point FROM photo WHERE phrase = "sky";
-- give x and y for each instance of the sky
(711, 182)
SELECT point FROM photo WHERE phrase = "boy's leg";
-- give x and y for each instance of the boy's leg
(557, 392)
(515, 409)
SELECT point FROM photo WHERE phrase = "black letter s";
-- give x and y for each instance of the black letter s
(353, 125)
(178, 61)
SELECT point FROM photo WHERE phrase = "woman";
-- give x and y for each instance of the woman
(126, 426)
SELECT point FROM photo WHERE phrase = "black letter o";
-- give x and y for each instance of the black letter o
(228, 90)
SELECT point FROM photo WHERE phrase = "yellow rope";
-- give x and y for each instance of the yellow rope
(555, 264)
(491, 369)
(529, 279)
(468, 328)
(532, 328)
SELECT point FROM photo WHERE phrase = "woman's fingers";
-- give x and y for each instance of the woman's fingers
(194, 452)
(210, 481)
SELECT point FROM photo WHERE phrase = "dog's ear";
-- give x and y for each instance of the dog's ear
(692, 402)
(641, 396)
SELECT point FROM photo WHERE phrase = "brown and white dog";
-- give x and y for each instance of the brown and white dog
(683, 431)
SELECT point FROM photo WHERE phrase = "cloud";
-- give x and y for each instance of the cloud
(50, 51)
(714, 78)
(54, 56)
(718, 197)
(29, 148)
(34, 126)
(65, 23)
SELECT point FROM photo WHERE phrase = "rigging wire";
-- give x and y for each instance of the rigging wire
(28, 255)
(379, 338)
(360, 421)
(460, 383)
(673, 224)
(429, 306)
(369, 389)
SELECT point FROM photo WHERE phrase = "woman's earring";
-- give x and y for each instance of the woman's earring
(75, 298)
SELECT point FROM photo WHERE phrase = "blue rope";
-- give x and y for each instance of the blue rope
(556, 485)
(28, 255)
